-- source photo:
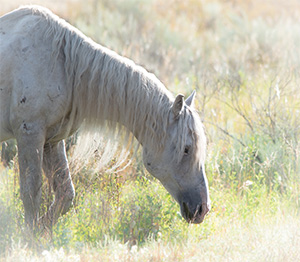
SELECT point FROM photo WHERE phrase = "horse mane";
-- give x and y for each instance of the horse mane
(111, 91)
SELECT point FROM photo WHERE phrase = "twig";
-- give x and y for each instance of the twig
(226, 132)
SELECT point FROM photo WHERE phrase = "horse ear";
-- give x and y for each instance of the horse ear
(178, 105)
(190, 100)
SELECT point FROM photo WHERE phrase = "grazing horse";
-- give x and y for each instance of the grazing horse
(53, 79)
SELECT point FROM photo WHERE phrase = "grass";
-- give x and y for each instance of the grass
(237, 229)
(242, 57)
(275, 241)
(138, 221)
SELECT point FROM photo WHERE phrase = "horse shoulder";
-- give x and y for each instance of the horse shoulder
(33, 85)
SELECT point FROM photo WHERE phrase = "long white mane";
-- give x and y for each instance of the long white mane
(111, 91)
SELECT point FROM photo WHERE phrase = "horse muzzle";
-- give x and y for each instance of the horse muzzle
(194, 215)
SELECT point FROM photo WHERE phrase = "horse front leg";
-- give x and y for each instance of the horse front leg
(56, 168)
(30, 150)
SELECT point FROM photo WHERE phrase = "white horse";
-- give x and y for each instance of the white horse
(53, 78)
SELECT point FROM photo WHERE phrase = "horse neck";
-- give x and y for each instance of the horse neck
(116, 90)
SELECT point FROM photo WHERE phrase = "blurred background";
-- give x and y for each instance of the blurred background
(243, 59)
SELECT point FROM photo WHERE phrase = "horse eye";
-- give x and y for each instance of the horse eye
(186, 150)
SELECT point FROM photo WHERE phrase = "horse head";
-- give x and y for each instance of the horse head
(179, 163)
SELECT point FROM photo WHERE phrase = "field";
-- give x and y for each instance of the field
(243, 59)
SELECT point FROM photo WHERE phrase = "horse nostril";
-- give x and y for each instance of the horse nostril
(186, 211)
(200, 210)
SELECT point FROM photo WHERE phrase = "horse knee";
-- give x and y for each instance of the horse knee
(64, 191)
(31, 197)
(67, 203)
(68, 198)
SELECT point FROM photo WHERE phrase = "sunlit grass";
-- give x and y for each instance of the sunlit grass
(142, 222)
